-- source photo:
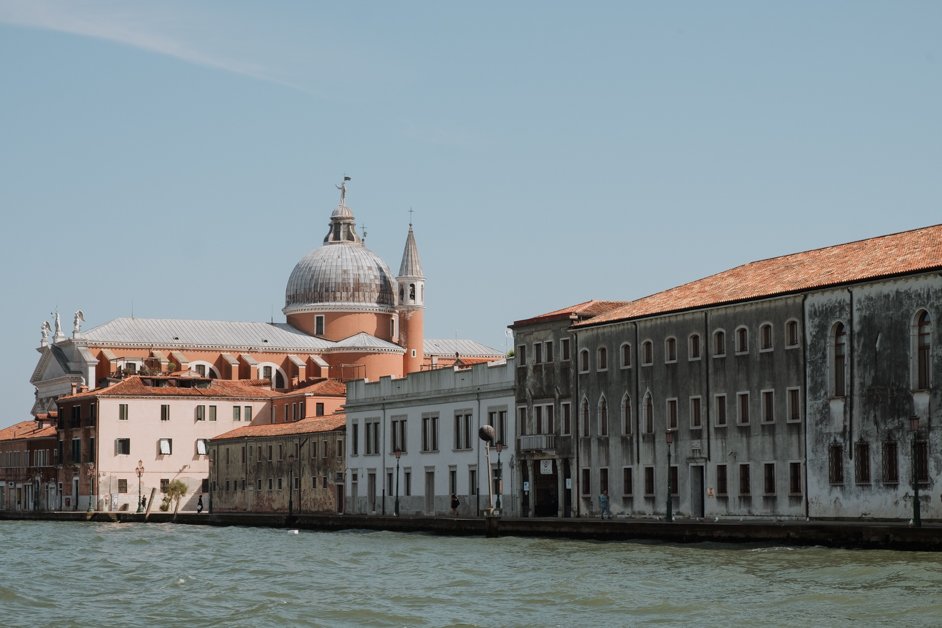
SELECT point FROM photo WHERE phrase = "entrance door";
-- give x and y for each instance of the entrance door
(430, 492)
(75, 493)
(567, 489)
(546, 484)
(696, 491)
(339, 489)
(371, 492)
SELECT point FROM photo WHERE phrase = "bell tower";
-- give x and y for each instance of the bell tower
(411, 306)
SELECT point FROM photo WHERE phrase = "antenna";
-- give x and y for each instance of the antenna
(410, 215)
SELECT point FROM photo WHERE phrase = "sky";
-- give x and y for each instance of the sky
(176, 159)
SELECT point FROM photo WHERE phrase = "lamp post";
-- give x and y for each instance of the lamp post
(917, 519)
(90, 471)
(670, 500)
(140, 471)
(397, 453)
(500, 472)
(290, 485)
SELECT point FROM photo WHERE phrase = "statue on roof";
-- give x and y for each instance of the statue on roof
(77, 321)
(45, 329)
(58, 323)
(343, 190)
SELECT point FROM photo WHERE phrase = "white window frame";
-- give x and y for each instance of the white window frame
(694, 400)
(762, 395)
(736, 348)
(672, 422)
(788, 405)
(771, 328)
(584, 364)
(739, 419)
(647, 360)
(599, 359)
(690, 356)
(717, 332)
(797, 342)
(716, 409)
(625, 364)
(667, 350)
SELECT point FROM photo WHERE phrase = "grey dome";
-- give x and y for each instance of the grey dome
(340, 273)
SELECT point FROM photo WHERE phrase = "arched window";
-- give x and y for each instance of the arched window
(626, 414)
(603, 416)
(584, 361)
(923, 350)
(839, 359)
(670, 349)
(626, 355)
(585, 416)
(765, 337)
(693, 347)
(602, 359)
(791, 333)
(647, 353)
(648, 414)
(742, 340)
(719, 343)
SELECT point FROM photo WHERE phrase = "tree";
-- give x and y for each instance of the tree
(176, 489)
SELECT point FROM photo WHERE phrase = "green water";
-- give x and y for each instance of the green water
(85, 574)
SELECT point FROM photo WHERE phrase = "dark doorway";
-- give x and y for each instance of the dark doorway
(567, 489)
(696, 491)
(545, 489)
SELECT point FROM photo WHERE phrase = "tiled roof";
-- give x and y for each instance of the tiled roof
(324, 387)
(218, 388)
(447, 347)
(919, 250)
(194, 334)
(586, 309)
(365, 342)
(304, 426)
(27, 429)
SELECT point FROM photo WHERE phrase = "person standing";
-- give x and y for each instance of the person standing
(603, 504)
(454, 505)
(199, 504)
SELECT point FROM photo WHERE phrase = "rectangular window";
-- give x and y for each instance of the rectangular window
(742, 404)
(236, 413)
(744, 480)
(722, 487)
(355, 439)
(836, 464)
(649, 481)
(564, 349)
(672, 414)
(407, 477)
(472, 482)
(672, 479)
(122, 446)
(164, 484)
(430, 433)
(890, 463)
(768, 406)
(372, 436)
(522, 419)
(521, 355)
(566, 409)
(586, 483)
(537, 352)
(212, 413)
(200, 413)
(548, 350)
(319, 325)
(319, 408)
(768, 483)
(603, 479)
(122, 412)
(398, 435)
(696, 416)
(720, 402)
(122, 486)
(794, 478)
(165, 412)
(862, 463)
(922, 462)
(626, 356)
(340, 447)
(247, 415)
(627, 481)
(201, 448)
(793, 400)
(166, 446)
(463, 431)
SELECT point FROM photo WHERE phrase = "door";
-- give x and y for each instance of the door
(75, 493)
(545, 487)
(696, 491)
(371, 492)
(567, 490)
(339, 489)
(430, 492)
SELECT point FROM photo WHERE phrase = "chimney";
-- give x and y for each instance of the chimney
(74, 387)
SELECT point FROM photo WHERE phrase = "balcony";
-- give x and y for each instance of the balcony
(538, 442)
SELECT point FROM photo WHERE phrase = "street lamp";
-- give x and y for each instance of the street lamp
(917, 519)
(397, 453)
(140, 471)
(670, 500)
(290, 485)
(500, 472)
(90, 471)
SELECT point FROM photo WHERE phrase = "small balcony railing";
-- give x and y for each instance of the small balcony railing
(542, 442)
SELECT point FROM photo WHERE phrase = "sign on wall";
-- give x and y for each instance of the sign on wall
(546, 467)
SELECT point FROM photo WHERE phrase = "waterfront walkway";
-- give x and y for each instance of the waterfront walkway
(851, 534)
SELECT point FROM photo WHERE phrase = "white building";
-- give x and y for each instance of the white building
(432, 418)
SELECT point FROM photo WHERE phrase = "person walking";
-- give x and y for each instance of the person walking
(199, 504)
(454, 505)
(603, 504)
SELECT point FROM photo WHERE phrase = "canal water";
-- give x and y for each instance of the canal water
(84, 574)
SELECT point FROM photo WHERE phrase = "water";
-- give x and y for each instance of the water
(81, 574)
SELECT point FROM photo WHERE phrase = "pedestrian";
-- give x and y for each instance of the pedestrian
(454, 505)
(199, 504)
(603, 504)
(143, 502)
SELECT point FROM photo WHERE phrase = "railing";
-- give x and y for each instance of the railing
(541, 442)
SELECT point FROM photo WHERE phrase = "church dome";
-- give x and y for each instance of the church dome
(342, 274)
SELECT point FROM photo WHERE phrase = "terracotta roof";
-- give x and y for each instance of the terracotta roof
(586, 309)
(135, 387)
(323, 387)
(304, 426)
(27, 429)
(891, 255)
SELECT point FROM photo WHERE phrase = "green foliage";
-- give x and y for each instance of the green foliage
(176, 489)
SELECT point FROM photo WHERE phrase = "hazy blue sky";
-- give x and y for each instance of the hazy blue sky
(181, 156)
